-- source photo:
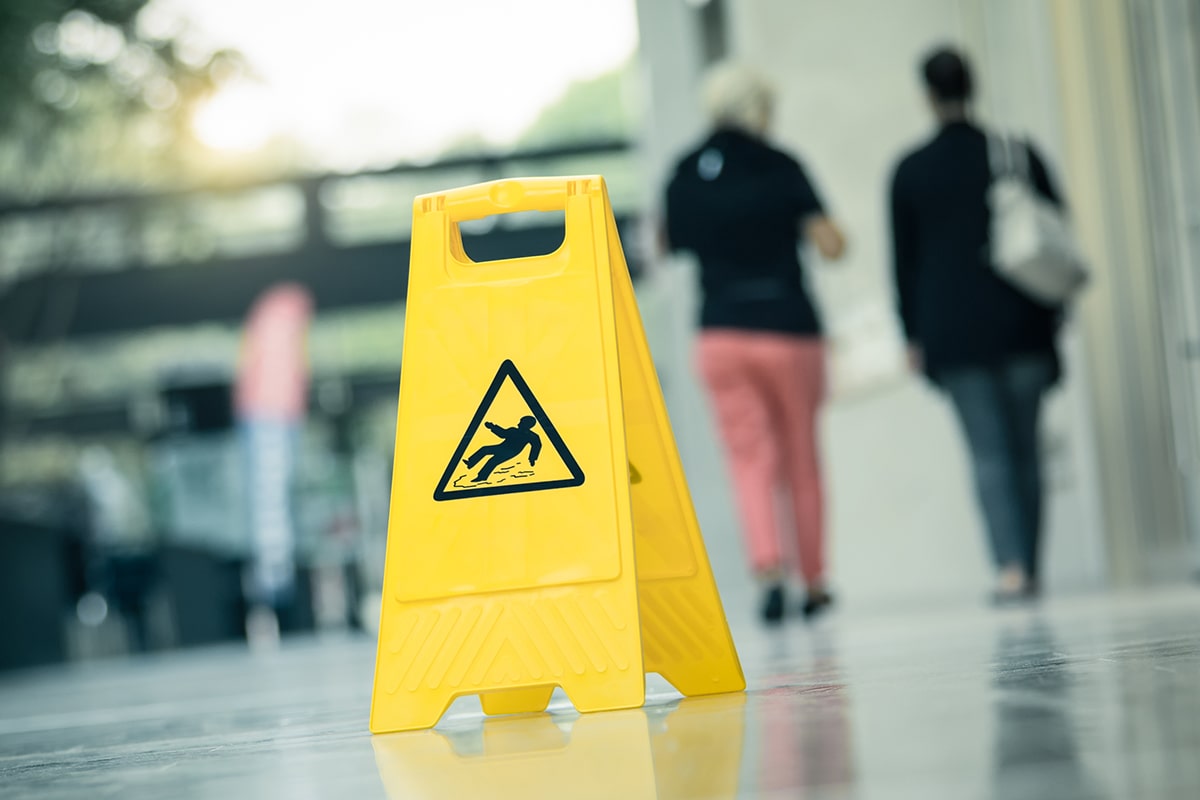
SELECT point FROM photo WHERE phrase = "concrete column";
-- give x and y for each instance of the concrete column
(1126, 370)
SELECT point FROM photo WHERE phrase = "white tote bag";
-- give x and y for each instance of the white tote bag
(1032, 246)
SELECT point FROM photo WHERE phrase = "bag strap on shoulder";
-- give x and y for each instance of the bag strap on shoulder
(1008, 156)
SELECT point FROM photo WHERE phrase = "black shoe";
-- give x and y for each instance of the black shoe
(772, 607)
(815, 603)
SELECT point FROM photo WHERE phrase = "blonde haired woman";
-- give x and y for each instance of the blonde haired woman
(742, 207)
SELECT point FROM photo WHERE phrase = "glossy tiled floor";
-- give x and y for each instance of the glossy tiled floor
(1086, 698)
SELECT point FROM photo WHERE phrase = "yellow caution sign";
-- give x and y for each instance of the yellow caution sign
(525, 550)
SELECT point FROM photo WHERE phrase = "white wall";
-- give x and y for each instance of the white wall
(903, 521)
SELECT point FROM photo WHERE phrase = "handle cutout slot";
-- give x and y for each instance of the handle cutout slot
(524, 234)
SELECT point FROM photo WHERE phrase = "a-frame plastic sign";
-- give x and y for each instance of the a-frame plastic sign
(525, 548)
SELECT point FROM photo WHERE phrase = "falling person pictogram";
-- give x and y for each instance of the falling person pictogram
(492, 458)
(513, 443)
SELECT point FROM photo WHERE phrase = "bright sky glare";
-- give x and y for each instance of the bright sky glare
(368, 81)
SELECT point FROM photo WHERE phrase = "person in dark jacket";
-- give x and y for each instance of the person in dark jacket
(742, 207)
(989, 346)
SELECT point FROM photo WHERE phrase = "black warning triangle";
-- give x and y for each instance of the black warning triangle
(516, 441)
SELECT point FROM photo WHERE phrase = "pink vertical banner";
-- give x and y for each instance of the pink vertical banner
(270, 403)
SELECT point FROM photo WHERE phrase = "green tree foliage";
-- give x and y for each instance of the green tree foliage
(601, 108)
(89, 98)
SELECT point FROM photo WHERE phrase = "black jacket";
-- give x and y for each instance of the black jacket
(951, 302)
(738, 203)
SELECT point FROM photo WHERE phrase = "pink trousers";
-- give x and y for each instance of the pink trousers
(766, 390)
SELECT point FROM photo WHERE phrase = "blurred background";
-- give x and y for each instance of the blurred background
(173, 171)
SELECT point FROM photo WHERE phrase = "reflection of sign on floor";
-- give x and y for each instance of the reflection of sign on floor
(510, 446)
(690, 748)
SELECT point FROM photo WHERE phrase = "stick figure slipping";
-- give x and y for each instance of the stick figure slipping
(514, 441)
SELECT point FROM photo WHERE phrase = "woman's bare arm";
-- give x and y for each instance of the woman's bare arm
(826, 236)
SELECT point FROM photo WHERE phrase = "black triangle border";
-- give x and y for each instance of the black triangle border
(508, 370)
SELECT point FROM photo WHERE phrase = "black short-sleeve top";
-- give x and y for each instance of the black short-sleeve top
(738, 204)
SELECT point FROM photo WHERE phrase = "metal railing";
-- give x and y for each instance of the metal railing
(113, 263)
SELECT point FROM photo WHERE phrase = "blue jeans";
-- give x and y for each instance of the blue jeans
(999, 408)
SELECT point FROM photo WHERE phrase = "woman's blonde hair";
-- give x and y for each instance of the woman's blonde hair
(735, 95)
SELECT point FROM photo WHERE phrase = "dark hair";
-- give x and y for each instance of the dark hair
(948, 76)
